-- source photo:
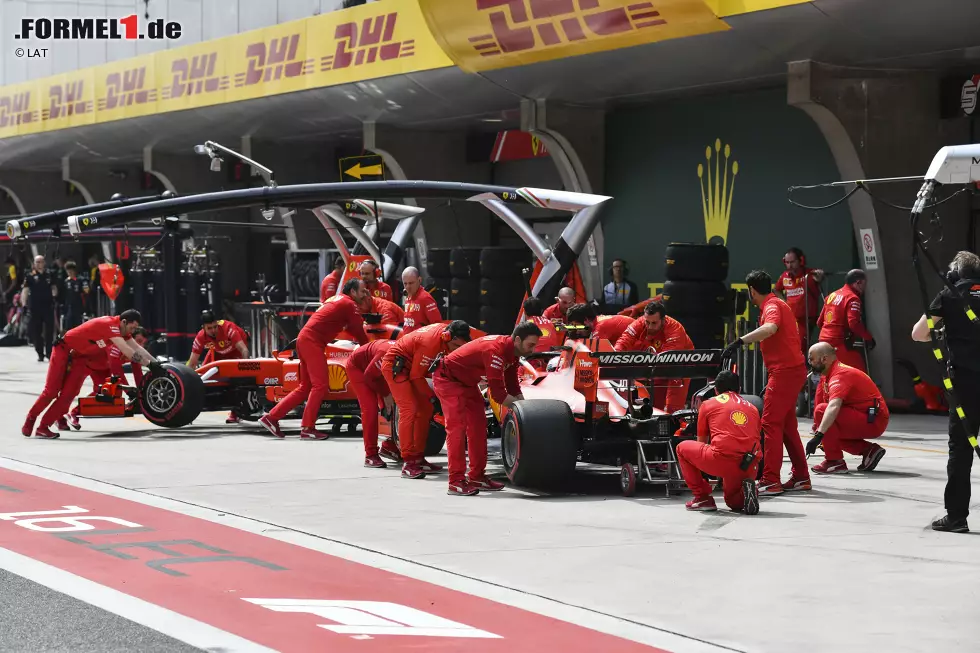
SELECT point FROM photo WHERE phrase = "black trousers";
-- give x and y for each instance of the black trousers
(42, 329)
(966, 384)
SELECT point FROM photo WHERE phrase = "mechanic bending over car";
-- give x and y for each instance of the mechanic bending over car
(225, 340)
(605, 327)
(330, 283)
(338, 313)
(420, 308)
(406, 368)
(727, 447)
(456, 381)
(75, 356)
(655, 330)
(390, 312)
(371, 276)
(848, 412)
(779, 341)
(558, 311)
(113, 367)
(373, 394)
(551, 335)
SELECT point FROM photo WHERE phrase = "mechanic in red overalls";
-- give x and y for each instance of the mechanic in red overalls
(406, 369)
(456, 381)
(328, 287)
(605, 327)
(779, 341)
(337, 314)
(849, 411)
(373, 393)
(800, 287)
(420, 308)
(636, 310)
(371, 276)
(114, 367)
(840, 320)
(390, 312)
(225, 340)
(558, 311)
(74, 357)
(661, 333)
(550, 335)
(728, 430)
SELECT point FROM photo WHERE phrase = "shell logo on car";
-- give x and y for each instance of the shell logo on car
(337, 378)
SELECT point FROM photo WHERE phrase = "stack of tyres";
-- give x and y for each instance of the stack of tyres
(501, 288)
(464, 293)
(695, 293)
(438, 278)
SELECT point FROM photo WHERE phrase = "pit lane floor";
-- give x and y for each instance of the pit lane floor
(851, 566)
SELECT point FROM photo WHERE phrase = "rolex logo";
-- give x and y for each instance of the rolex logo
(716, 193)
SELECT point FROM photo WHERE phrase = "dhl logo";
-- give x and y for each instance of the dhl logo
(16, 109)
(273, 60)
(195, 75)
(66, 100)
(366, 43)
(337, 378)
(716, 193)
(126, 88)
(554, 22)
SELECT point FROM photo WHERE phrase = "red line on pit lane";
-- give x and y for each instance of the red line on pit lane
(302, 599)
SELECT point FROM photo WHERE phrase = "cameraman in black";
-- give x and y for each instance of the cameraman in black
(963, 343)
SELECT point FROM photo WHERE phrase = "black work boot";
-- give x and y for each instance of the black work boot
(949, 525)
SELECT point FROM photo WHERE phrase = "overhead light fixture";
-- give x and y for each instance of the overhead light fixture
(216, 164)
(268, 214)
(493, 120)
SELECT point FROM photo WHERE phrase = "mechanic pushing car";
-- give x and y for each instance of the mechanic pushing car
(406, 368)
(330, 283)
(337, 314)
(727, 447)
(840, 320)
(558, 311)
(225, 340)
(848, 412)
(779, 341)
(800, 287)
(373, 393)
(371, 276)
(75, 356)
(113, 367)
(605, 327)
(456, 381)
(661, 333)
(420, 308)
(390, 312)
(550, 334)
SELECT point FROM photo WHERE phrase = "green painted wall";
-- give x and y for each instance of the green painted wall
(652, 158)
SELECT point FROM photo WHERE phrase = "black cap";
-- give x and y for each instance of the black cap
(459, 330)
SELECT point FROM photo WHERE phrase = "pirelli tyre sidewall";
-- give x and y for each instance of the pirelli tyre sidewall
(436, 439)
(539, 443)
(172, 400)
(696, 262)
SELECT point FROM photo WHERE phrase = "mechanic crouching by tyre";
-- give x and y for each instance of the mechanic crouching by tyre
(405, 367)
(727, 447)
(840, 320)
(224, 340)
(661, 333)
(457, 385)
(337, 314)
(373, 394)
(113, 367)
(779, 340)
(75, 356)
(849, 411)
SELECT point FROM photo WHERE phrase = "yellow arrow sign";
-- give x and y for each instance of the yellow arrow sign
(358, 170)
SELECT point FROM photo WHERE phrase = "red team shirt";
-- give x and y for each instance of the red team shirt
(733, 423)
(804, 299)
(672, 337)
(550, 335)
(91, 339)
(328, 287)
(391, 313)
(840, 316)
(553, 313)
(852, 386)
(420, 311)
(782, 350)
(380, 289)
(337, 314)
(490, 357)
(367, 359)
(611, 327)
(226, 337)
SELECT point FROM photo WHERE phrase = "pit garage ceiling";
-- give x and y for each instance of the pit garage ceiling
(894, 34)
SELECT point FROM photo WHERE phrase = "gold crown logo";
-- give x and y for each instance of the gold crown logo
(716, 197)
(739, 418)
(337, 378)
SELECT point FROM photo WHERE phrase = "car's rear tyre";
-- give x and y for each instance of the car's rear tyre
(174, 399)
(539, 444)
(464, 262)
(696, 262)
(437, 263)
(627, 480)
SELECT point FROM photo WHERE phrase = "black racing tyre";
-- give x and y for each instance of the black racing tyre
(539, 444)
(436, 439)
(440, 283)
(696, 298)
(503, 293)
(464, 262)
(437, 263)
(707, 339)
(469, 314)
(694, 262)
(465, 292)
(174, 399)
(701, 323)
(496, 321)
(756, 401)
(506, 263)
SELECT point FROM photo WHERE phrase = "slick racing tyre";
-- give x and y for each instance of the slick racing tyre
(501, 292)
(464, 262)
(696, 298)
(436, 440)
(437, 263)
(694, 262)
(539, 444)
(465, 292)
(173, 399)
(504, 263)
(469, 314)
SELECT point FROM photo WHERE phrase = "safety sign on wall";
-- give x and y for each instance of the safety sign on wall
(869, 250)
(369, 167)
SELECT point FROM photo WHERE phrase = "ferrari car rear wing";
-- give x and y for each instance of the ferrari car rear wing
(688, 364)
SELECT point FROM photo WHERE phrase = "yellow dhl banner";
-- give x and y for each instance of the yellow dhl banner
(364, 42)
(488, 34)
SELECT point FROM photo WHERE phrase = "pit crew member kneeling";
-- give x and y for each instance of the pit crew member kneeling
(456, 382)
(661, 333)
(727, 447)
(225, 340)
(850, 411)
